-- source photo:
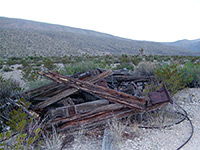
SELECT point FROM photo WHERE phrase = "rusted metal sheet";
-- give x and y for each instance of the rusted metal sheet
(160, 96)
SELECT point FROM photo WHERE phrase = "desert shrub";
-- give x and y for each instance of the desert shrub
(12, 62)
(77, 67)
(145, 69)
(8, 87)
(49, 64)
(37, 83)
(19, 68)
(7, 69)
(18, 137)
(124, 58)
(136, 60)
(29, 74)
(192, 70)
(24, 63)
(38, 64)
(127, 66)
(66, 60)
(158, 58)
(173, 77)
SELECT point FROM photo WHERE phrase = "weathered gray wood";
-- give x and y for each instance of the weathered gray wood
(71, 90)
(58, 97)
(103, 92)
(107, 141)
(41, 89)
(79, 108)
(45, 92)
(90, 114)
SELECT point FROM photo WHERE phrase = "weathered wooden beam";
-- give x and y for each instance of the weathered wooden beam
(40, 89)
(98, 117)
(78, 109)
(99, 110)
(47, 91)
(105, 93)
(71, 90)
(94, 120)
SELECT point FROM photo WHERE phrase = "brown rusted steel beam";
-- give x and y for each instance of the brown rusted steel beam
(71, 90)
(103, 92)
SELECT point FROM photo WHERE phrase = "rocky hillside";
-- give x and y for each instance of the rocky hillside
(24, 38)
(193, 45)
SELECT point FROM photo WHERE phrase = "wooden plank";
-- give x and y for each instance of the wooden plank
(79, 108)
(102, 109)
(94, 120)
(41, 89)
(107, 143)
(105, 93)
(99, 118)
(71, 90)
(46, 91)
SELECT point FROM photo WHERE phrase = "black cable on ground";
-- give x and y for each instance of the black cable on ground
(185, 117)
(192, 127)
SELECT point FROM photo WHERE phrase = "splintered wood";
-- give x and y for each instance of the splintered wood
(89, 99)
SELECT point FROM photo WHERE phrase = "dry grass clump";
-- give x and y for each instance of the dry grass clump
(145, 69)
(52, 141)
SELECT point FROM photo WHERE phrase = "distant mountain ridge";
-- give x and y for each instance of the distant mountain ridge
(26, 38)
(193, 45)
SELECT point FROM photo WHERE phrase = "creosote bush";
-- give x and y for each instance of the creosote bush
(77, 67)
(192, 70)
(173, 77)
(18, 137)
(8, 87)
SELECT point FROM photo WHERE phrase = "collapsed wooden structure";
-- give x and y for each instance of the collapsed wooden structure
(89, 99)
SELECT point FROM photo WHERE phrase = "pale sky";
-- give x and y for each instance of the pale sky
(150, 20)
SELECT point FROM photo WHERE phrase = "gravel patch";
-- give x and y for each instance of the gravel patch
(169, 138)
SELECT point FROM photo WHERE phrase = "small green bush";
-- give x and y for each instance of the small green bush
(77, 67)
(7, 69)
(8, 87)
(192, 70)
(23, 139)
(173, 77)
(145, 69)
(38, 83)
(29, 74)
(49, 64)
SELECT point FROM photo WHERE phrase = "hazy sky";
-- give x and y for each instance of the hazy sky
(151, 20)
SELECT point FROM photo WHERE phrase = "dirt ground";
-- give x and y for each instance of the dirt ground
(161, 139)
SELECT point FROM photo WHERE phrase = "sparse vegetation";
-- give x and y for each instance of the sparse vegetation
(176, 71)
